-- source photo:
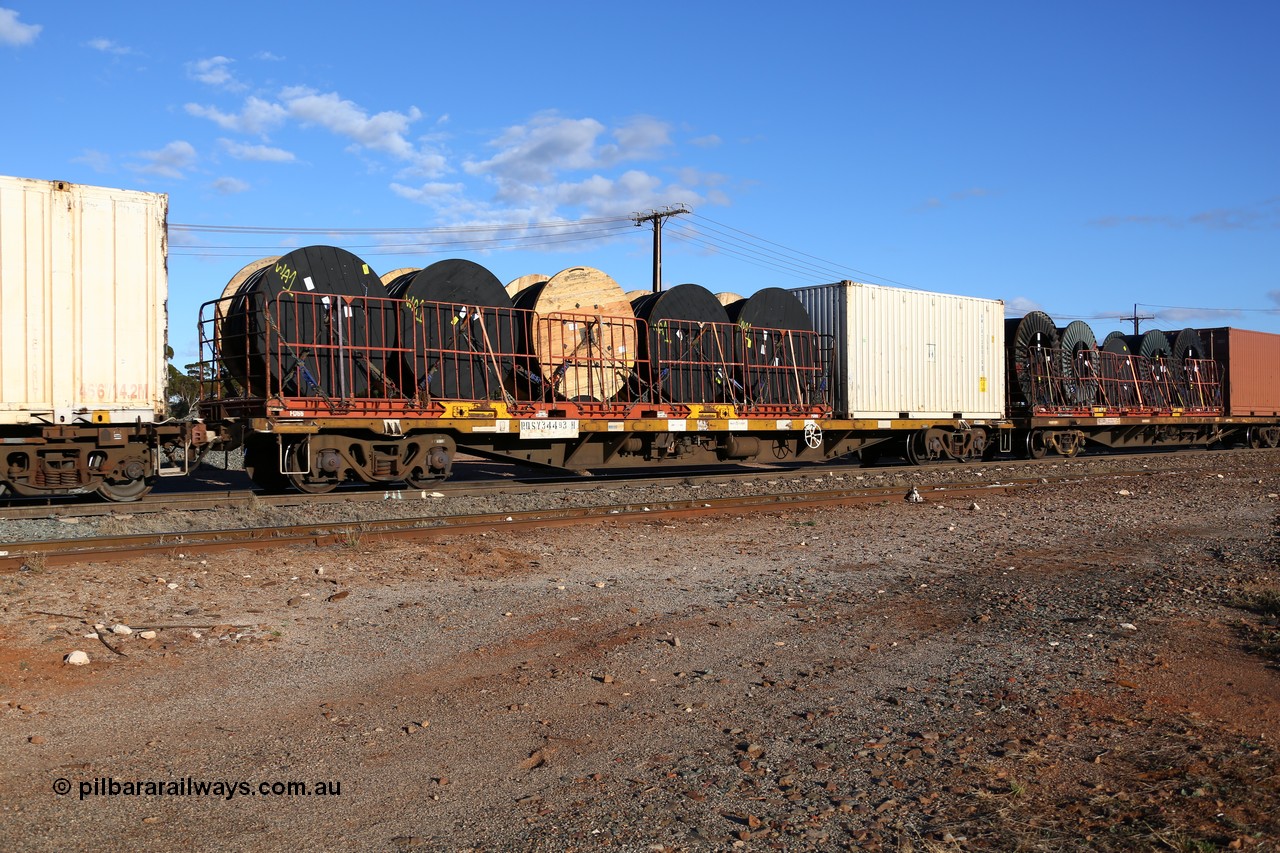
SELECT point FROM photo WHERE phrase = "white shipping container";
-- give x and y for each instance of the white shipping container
(898, 353)
(83, 285)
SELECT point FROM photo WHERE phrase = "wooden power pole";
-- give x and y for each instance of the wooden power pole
(657, 217)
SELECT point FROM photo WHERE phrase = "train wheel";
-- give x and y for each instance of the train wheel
(419, 480)
(307, 483)
(913, 448)
(123, 491)
(1036, 448)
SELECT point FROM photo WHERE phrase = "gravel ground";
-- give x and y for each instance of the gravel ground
(1084, 665)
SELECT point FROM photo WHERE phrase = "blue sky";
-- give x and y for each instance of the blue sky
(1073, 157)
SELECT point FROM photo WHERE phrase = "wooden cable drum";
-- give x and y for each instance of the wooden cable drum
(305, 328)
(525, 281)
(388, 277)
(1077, 357)
(1031, 340)
(633, 295)
(224, 302)
(726, 298)
(686, 347)
(463, 328)
(584, 333)
(774, 365)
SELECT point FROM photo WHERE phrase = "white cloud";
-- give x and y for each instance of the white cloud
(268, 56)
(258, 153)
(96, 160)
(1020, 305)
(108, 46)
(14, 32)
(168, 162)
(536, 151)
(214, 71)
(428, 192)
(257, 117)
(229, 186)
(383, 131)
(641, 138)
(1187, 315)
(935, 203)
(708, 141)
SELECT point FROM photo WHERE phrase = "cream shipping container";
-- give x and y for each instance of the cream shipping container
(83, 285)
(898, 353)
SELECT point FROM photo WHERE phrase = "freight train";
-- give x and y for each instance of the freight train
(326, 372)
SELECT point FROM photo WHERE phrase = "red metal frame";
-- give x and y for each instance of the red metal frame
(293, 356)
(1106, 384)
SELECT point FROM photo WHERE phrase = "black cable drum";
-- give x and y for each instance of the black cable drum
(1031, 341)
(300, 327)
(1078, 350)
(465, 334)
(1185, 345)
(774, 368)
(1157, 367)
(687, 347)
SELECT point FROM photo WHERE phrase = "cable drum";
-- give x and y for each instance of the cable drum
(1118, 373)
(301, 327)
(525, 281)
(773, 365)
(1033, 340)
(1157, 364)
(687, 345)
(1186, 345)
(1078, 357)
(465, 336)
(583, 340)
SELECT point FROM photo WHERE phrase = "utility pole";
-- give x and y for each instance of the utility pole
(1137, 318)
(657, 217)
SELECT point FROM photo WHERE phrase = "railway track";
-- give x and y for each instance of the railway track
(807, 490)
(15, 556)
(509, 483)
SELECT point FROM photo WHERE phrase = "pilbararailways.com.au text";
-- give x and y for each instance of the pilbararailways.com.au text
(188, 787)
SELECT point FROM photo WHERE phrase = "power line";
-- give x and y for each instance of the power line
(838, 266)
(427, 247)
(1212, 310)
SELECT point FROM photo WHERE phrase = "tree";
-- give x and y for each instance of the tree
(182, 387)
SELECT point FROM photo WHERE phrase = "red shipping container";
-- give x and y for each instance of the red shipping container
(1249, 364)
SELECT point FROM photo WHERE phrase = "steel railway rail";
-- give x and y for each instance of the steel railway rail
(61, 552)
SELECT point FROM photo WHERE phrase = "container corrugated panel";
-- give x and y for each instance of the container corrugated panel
(910, 353)
(1249, 364)
(83, 285)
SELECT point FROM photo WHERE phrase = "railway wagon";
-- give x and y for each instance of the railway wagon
(912, 373)
(83, 285)
(1189, 388)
